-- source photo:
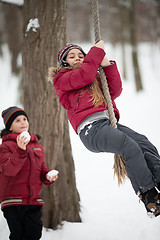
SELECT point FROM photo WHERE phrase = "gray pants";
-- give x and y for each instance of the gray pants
(141, 157)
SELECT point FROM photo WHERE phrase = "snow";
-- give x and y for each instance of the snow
(108, 212)
(52, 173)
(8, 82)
(34, 24)
(16, 2)
(26, 135)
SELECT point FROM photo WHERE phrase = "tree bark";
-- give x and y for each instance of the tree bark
(47, 117)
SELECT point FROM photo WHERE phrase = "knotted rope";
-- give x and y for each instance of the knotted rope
(119, 164)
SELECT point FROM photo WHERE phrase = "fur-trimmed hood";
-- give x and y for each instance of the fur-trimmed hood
(52, 71)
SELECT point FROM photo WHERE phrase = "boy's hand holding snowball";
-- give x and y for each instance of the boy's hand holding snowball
(52, 175)
(23, 139)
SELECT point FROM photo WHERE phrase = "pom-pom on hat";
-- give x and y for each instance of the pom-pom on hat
(10, 114)
(62, 54)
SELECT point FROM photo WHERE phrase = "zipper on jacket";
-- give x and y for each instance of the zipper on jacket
(78, 99)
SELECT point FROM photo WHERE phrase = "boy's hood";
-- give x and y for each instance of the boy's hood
(13, 137)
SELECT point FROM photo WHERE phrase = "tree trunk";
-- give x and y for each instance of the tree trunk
(158, 22)
(122, 10)
(47, 117)
(11, 32)
(133, 40)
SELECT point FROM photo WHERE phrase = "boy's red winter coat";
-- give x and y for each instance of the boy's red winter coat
(22, 172)
(69, 82)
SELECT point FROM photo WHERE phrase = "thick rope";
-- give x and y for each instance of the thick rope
(119, 164)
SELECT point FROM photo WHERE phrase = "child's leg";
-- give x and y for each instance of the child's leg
(102, 137)
(14, 222)
(32, 223)
(24, 222)
(141, 139)
(150, 152)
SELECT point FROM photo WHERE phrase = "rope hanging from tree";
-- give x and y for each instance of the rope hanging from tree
(119, 164)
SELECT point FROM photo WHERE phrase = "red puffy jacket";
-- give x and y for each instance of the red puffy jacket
(21, 172)
(68, 82)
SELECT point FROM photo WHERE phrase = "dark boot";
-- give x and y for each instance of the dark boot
(151, 201)
(158, 186)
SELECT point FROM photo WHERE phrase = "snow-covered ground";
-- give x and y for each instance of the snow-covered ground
(108, 212)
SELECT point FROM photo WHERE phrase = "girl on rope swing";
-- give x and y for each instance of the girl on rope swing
(77, 84)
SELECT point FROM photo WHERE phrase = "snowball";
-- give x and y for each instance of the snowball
(52, 173)
(26, 135)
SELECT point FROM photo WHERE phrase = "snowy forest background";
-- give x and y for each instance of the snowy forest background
(131, 31)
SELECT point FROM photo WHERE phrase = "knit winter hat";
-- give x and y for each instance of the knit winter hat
(62, 54)
(10, 114)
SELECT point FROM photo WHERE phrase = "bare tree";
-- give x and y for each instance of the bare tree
(41, 43)
(122, 17)
(11, 31)
(133, 41)
(158, 21)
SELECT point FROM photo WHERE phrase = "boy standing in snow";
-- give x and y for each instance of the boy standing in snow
(22, 172)
(78, 86)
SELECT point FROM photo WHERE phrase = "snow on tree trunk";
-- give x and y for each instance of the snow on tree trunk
(44, 34)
